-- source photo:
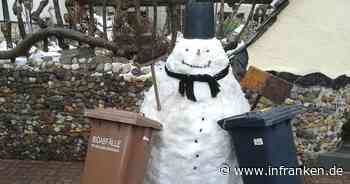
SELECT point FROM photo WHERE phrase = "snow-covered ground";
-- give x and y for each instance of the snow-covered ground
(309, 36)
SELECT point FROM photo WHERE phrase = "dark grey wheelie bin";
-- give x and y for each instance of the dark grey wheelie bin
(264, 139)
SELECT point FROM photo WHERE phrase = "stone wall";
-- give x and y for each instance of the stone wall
(42, 105)
(324, 122)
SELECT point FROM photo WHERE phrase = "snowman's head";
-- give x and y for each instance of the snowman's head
(197, 56)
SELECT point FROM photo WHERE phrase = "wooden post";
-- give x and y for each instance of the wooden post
(104, 18)
(28, 5)
(222, 19)
(58, 15)
(91, 19)
(6, 27)
(178, 17)
(17, 10)
(167, 27)
(42, 24)
(173, 25)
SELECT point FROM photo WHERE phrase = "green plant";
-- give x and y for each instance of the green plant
(229, 26)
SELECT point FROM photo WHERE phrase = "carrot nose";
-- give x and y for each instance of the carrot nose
(198, 52)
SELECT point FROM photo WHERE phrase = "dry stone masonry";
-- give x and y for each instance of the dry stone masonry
(324, 124)
(42, 103)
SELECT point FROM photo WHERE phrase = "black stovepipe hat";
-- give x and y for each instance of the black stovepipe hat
(199, 19)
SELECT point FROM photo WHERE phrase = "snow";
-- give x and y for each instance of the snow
(3, 46)
(239, 28)
(176, 157)
(210, 53)
(240, 44)
(99, 20)
(36, 54)
(128, 76)
(40, 53)
(274, 3)
(19, 60)
(179, 36)
(54, 47)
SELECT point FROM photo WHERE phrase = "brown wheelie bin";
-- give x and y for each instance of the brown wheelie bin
(119, 147)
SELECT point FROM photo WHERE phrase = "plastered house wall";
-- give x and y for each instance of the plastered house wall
(309, 36)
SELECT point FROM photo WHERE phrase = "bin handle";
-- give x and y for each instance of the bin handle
(147, 135)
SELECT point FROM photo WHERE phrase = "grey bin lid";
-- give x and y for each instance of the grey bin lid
(260, 119)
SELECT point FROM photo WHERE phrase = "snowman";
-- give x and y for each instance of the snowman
(196, 89)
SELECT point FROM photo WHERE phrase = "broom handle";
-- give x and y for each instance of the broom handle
(154, 79)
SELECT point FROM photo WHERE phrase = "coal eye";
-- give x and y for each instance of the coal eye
(186, 50)
(208, 50)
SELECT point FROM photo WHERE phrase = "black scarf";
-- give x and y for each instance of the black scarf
(186, 82)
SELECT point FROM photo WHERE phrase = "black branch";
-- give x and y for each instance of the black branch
(36, 14)
(23, 47)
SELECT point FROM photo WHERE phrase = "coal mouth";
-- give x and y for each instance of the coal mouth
(197, 66)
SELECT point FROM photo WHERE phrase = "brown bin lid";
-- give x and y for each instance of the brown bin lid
(120, 116)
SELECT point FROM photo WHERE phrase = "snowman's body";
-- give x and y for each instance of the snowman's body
(192, 148)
